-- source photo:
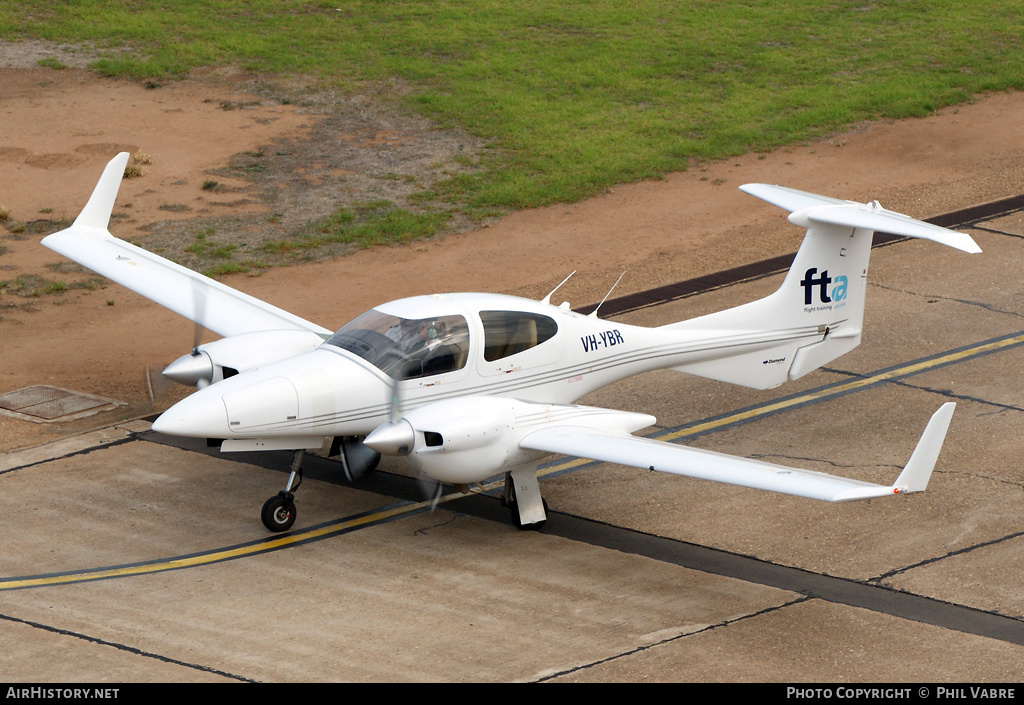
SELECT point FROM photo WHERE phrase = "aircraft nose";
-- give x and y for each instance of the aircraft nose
(198, 416)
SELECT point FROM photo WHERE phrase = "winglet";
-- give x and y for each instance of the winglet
(96, 213)
(223, 310)
(918, 470)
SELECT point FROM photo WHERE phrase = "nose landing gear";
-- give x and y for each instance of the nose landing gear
(279, 511)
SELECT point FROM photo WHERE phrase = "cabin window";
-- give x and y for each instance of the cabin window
(507, 333)
(406, 348)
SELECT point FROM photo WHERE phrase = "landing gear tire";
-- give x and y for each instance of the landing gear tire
(279, 512)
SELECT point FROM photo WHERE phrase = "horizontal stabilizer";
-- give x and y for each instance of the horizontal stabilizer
(790, 199)
(677, 459)
(808, 208)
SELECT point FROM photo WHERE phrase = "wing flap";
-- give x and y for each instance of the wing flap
(623, 449)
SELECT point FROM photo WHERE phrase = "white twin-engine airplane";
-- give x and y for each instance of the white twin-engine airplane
(469, 386)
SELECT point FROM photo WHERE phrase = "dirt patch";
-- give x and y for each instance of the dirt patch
(298, 156)
(66, 329)
(358, 154)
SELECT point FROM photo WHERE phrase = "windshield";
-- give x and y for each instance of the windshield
(406, 348)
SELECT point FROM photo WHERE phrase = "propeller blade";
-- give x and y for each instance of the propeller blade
(195, 369)
(199, 302)
(397, 436)
(156, 383)
(395, 409)
(432, 489)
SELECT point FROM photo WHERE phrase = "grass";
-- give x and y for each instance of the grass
(364, 225)
(206, 248)
(244, 267)
(51, 63)
(34, 286)
(576, 97)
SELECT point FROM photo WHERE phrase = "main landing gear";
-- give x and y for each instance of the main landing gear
(279, 511)
(522, 496)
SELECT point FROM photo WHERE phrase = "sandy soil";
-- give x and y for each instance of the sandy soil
(59, 127)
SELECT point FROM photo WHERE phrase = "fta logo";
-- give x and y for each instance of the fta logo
(821, 282)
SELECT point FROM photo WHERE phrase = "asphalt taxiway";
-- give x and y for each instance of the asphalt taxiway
(134, 557)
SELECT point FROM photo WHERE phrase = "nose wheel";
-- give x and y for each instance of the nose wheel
(279, 511)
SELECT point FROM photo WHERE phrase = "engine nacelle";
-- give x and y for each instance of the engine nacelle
(470, 439)
(223, 358)
(462, 441)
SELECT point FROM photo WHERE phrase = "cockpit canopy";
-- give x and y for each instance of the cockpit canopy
(407, 348)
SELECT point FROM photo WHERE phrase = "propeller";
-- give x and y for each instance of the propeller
(156, 382)
(431, 488)
(196, 369)
(199, 312)
(397, 436)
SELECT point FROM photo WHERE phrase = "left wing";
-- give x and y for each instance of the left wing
(624, 449)
(209, 303)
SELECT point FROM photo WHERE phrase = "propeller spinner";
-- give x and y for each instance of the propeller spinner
(392, 438)
(194, 369)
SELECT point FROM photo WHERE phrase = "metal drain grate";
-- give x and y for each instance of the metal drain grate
(44, 404)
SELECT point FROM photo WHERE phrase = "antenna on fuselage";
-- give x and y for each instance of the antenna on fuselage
(547, 299)
(593, 314)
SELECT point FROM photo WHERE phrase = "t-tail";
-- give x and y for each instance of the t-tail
(818, 312)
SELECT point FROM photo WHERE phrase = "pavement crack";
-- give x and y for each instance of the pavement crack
(1000, 407)
(423, 531)
(950, 394)
(71, 454)
(880, 579)
(125, 647)
(669, 640)
(937, 297)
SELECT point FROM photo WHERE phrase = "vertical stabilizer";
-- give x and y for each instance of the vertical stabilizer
(818, 312)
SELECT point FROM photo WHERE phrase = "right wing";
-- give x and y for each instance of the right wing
(209, 303)
(624, 449)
